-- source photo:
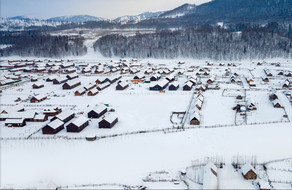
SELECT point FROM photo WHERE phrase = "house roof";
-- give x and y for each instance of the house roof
(64, 115)
(72, 82)
(55, 124)
(39, 97)
(79, 121)
(14, 121)
(246, 168)
(175, 83)
(100, 108)
(110, 118)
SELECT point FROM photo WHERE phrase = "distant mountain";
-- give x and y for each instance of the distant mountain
(137, 18)
(18, 18)
(76, 18)
(179, 11)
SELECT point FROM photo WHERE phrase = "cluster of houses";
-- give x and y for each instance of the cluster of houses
(77, 124)
(195, 117)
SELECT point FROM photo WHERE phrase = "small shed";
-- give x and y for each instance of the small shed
(195, 118)
(108, 122)
(248, 171)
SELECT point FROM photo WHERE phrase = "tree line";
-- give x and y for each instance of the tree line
(212, 42)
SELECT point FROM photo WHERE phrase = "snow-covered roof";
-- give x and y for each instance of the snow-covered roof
(14, 121)
(195, 115)
(100, 108)
(72, 82)
(64, 115)
(40, 96)
(246, 168)
(56, 123)
(93, 91)
(80, 120)
(39, 116)
(110, 118)
(123, 84)
(161, 83)
(175, 83)
(81, 90)
(189, 83)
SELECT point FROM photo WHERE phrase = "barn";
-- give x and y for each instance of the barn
(161, 85)
(173, 86)
(92, 92)
(60, 80)
(122, 86)
(71, 84)
(77, 124)
(64, 116)
(80, 91)
(37, 85)
(53, 127)
(38, 98)
(108, 122)
(97, 112)
(248, 171)
(188, 86)
(195, 118)
(15, 122)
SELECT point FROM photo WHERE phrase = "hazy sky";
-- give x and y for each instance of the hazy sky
(102, 8)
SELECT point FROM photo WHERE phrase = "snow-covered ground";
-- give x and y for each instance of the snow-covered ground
(129, 159)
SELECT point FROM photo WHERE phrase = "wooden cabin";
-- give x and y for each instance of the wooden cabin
(38, 98)
(71, 84)
(188, 86)
(80, 91)
(53, 127)
(277, 104)
(155, 77)
(89, 86)
(108, 122)
(40, 118)
(161, 85)
(37, 85)
(60, 80)
(97, 112)
(77, 124)
(173, 86)
(64, 116)
(72, 76)
(195, 118)
(93, 92)
(248, 171)
(52, 111)
(122, 86)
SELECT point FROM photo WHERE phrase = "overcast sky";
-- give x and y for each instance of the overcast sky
(102, 8)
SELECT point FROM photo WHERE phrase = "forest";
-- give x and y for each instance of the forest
(35, 43)
(236, 43)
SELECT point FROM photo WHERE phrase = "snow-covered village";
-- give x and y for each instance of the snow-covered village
(184, 97)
